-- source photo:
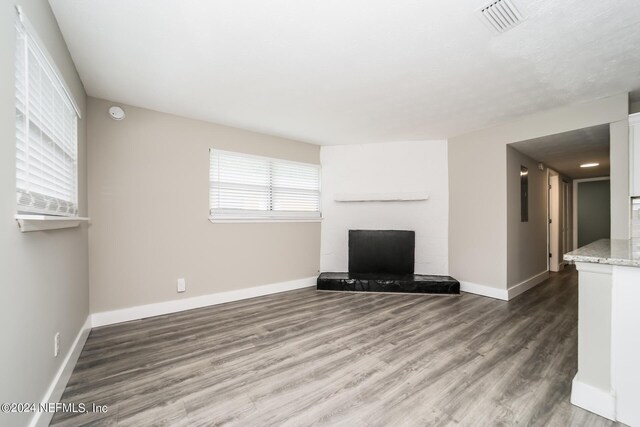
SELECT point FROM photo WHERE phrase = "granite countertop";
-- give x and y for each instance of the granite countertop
(605, 251)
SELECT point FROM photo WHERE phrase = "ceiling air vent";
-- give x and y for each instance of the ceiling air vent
(501, 15)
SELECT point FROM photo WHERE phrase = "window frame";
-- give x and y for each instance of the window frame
(27, 39)
(267, 215)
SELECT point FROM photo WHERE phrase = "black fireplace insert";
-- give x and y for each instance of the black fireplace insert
(381, 251)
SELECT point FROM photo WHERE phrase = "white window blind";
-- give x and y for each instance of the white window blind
(253, 187)
(46, 133)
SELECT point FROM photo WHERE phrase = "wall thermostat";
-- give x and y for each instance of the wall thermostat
(116, 113)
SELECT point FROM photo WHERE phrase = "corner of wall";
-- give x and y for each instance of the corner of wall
(48, 271)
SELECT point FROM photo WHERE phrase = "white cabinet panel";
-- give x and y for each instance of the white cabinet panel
(634, 146)
(626, 343)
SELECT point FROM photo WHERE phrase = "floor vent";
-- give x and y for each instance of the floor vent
(501, 15)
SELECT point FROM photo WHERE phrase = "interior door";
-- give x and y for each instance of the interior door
(567, 201)
(555, 223)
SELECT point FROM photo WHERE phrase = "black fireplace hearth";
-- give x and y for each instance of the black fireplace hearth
(383, 261)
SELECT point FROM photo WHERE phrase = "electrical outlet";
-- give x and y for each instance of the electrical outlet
(182, 285)
(56, 344)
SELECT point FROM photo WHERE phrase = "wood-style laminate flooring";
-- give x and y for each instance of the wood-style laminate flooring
(305, 357)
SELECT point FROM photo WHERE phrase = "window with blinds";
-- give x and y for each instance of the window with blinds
(248, 187)
(46, 133)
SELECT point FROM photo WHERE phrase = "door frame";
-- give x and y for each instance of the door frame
(555, 190)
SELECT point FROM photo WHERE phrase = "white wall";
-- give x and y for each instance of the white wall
(619, 175)
(419, 166)
(45, 279)
(526, 241)
(149, 208)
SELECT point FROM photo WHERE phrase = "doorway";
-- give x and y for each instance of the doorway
(560, 226)
(592, 204)
(566, 159)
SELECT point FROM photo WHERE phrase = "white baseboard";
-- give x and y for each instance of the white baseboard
(57, 386)
(174, 306)
(524, 286)
(593, 399)
(484, 290)
(504, 294)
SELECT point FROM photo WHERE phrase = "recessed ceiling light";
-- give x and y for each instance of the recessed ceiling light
(589, 165)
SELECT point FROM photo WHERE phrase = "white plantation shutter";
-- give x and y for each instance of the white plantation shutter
(252, 187)
(46, 134)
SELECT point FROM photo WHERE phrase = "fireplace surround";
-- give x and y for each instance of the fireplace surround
(383, 261)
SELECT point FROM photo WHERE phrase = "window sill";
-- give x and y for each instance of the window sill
(257, 220)
(28, 223)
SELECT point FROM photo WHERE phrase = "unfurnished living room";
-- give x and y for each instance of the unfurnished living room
(349, 213)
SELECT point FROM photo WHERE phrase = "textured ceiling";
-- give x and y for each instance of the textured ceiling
(565, 152)
(338, 72)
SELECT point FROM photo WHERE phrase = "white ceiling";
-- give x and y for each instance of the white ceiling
(351, 71)
(565, 152)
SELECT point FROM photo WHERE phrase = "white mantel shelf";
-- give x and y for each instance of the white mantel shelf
(28, 223)
(381, 197)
